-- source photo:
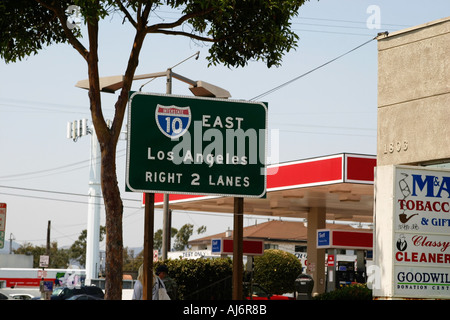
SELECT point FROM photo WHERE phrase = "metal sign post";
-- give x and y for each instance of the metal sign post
(46, 287)
(237, 248)
(148, 245)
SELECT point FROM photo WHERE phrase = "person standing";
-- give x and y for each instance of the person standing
(138, 289)
(171, 286)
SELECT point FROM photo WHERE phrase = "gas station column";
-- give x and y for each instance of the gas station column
(316, 257)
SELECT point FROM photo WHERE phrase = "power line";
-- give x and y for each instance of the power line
(300, 21)
(293, 20)
(43, 106)
(39, 109)
(45, 191)
(83, 163)
(333, 32)
(43, 171)
(323, 126)
(329, 133)
(41, 198)
(310, 71)
(54, 192)
(350, 21)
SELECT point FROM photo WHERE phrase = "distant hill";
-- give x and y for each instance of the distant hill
(5, 249)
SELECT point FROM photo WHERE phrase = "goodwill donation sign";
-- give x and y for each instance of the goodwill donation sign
(195, 145)
(414, 256)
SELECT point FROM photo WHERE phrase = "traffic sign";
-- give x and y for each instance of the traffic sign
(216, 246)
(2, 216)
(323, 239)
(344, 239)
(44, 261)
(196, 145)
(249, 247)
(2, 224)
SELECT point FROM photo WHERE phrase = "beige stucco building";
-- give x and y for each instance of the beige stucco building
(414, 95)
(413, 135)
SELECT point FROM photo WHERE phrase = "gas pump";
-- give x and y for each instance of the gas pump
(345, 273)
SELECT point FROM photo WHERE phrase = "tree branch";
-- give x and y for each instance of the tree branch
(145, 13)
(60, 13)
(133, 62)
(155, 27)
(94, 83)
(186, 34)
(127, 14)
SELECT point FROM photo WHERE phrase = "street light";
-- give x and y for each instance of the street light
(198, 88)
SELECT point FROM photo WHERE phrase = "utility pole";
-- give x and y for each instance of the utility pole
(48, 237)
(76, 130)
(93, 224)
(167, 217)
(11, 238)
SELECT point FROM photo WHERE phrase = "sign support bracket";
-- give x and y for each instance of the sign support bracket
(237, 248)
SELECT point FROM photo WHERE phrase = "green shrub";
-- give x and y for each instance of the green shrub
(276, 270)
(351, 292)
(206, 279)
(201, 279)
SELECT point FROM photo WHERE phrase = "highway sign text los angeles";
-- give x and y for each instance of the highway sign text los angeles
(196, 145)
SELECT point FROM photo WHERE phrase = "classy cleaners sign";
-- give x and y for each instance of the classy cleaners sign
(421, 225)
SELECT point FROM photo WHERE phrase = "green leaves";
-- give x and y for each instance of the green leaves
(276, 270)
(352, 292)
(240, 31)
(26, 27)
(247, 30)
(201, 279)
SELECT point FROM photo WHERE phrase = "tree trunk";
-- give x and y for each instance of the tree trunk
(111, 194)
(108, 138)
(114, 213)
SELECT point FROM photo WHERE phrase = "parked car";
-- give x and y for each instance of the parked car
(4, 297)
(64, 293)
(83, 297)
(21, 296)
(257, 292)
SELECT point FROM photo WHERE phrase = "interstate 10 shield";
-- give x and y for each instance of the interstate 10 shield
(172, 121)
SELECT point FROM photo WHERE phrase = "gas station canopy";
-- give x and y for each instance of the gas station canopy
(341, 183)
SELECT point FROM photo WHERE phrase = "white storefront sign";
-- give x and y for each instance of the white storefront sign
(196, 254)
(412, 232)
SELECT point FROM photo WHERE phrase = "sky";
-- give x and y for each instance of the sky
(44, 176)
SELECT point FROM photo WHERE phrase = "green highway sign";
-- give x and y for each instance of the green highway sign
(196, 145)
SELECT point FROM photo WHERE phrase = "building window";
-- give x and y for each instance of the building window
(270, 246)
